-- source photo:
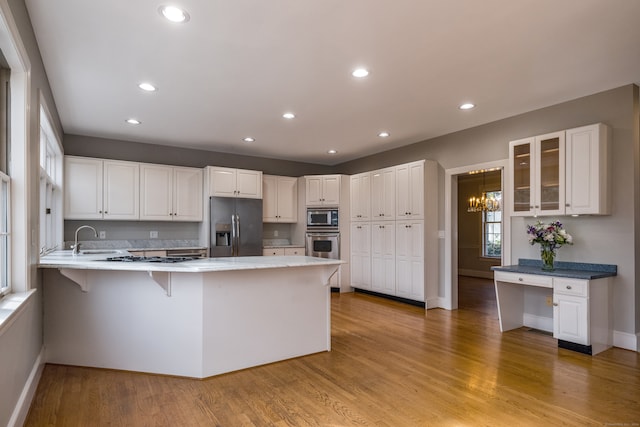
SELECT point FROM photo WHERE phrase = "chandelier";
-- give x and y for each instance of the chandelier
(483, 203)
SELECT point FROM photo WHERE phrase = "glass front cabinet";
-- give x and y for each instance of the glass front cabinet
(538, 166)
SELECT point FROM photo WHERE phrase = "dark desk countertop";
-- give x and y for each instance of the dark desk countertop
(573, 270)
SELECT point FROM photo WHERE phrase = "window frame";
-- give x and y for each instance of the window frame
(5, 234)
(50, 187)
(485, 223)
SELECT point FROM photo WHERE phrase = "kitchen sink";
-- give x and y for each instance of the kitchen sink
(100, 251)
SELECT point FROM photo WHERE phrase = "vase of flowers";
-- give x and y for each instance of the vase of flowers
(550, 236)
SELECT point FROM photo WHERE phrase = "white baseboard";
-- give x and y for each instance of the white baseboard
(538, 322)
(626, 340)
(475, 273)
(21, 410)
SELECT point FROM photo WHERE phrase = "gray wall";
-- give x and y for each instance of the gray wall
(87, 146)
(609, 239)
(21, 341)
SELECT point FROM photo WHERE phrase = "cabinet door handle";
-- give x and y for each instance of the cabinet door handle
(555, 304)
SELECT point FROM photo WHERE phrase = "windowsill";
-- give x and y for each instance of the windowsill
(11, 305)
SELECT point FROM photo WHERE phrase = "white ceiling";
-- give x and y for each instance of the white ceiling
(237, 65)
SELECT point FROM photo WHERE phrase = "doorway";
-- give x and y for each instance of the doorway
(452, 214)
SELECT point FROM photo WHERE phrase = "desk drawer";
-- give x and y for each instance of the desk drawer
(524, 279)
(579, 288)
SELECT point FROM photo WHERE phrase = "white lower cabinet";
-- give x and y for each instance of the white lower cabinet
(283, 251)
(383, 257)
(582, 315)
(361, 255)
(410, 260)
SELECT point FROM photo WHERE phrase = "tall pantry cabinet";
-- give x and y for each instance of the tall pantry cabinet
(394, 244)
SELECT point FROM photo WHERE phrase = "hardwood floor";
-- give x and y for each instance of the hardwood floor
(391, 365)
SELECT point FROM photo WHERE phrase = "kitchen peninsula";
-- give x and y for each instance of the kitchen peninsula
(196, 318)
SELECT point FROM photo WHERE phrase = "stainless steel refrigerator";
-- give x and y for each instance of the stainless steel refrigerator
(236, 227)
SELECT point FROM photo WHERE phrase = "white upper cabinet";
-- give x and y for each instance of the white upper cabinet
(410, 190)
(360, 197)
(101, 189)
(280, 199)
(170, 193)
(588, 161)
(229, 182)
(383, 194)
(323, 190)
(561, 173)
(538, 175)
(187, 194)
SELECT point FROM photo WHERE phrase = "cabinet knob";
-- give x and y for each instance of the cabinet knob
(519, 279)
(555, 304)
(567, 205)
(568, 286)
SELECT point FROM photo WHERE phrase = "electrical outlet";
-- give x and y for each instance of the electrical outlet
(275, 233)
(153, 234)
(549, 300)
(103, 234)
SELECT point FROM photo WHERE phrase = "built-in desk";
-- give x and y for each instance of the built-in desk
(582, 316)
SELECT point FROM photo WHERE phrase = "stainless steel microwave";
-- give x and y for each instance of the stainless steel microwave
(320, 218)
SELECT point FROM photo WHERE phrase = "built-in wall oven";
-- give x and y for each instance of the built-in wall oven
(323, 236)
(323, 244)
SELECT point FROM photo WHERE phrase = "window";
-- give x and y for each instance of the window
(5, 228)
(492, 229)
(50, 186)
(5, 185)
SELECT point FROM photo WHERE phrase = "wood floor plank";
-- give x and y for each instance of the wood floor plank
(391, 364)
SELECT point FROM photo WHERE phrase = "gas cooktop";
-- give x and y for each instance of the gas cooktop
(161, 259)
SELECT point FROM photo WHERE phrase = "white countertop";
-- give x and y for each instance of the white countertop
(96, 261)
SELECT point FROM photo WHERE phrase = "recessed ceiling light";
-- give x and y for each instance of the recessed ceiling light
(174, 14)
(332, 151)
(384, 134)
(289, 115)
(148, 87)
(133, 121)
(248, 139)
(360, 72)
(467, 106)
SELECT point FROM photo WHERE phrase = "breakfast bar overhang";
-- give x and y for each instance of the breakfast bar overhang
(195, 319)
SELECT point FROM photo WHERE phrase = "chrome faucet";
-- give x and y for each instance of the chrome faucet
(76, 245)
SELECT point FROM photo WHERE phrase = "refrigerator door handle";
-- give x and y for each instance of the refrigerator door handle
(237, 235)
(234, 235)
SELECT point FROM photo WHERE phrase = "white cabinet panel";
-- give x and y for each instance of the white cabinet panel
(360, 197)
(383, 257)
(101, 189)
(410, 191)
(121, 190)
(383, 194)
(187, 194)
(361, 255)
(229, 182)
(570, 318)
(322, 190)
(170, 193)
(280, 199)
(410, 260)
(588, 162)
